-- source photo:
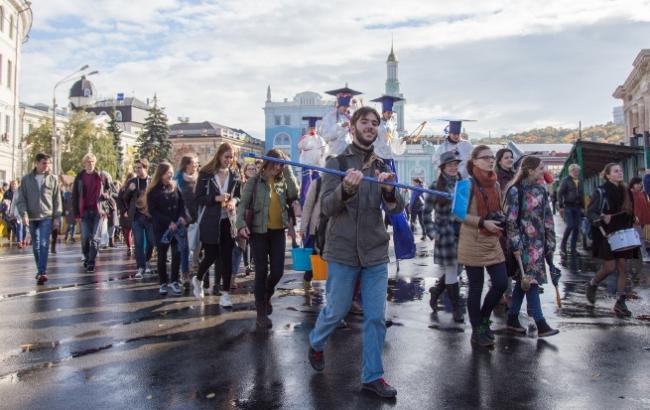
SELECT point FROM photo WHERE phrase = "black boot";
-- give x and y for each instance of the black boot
(544, 330)
(480, 338)
(263, 320)
(453, 291)
(620, 307)
(436, 291)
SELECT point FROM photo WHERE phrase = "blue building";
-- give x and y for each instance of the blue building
(283, 120)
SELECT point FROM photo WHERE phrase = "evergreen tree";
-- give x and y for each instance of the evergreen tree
(116, 133)
(154, 143)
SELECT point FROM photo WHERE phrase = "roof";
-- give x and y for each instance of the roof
(391, 57)
(595, 155)
(127, 102)
(207, 128)
(77, 89)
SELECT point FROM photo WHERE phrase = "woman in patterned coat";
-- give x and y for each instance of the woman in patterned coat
(531, 236)
(444, 230)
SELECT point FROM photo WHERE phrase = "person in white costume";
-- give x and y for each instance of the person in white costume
(388, 143)
(335, 125)
(313, 151)
(453, 142)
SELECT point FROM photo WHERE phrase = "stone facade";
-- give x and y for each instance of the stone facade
(635, 93)
(203, 139)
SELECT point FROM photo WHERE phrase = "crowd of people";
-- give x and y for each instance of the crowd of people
(226, 213)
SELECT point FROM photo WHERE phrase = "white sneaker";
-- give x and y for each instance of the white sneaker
(224, 300)
(176, 289)
(197, 288)
(163, 289)
(147, 271)
(139, 273)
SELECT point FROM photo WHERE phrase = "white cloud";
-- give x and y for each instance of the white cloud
(212, 60)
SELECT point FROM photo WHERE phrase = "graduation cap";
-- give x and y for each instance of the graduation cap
(312, 121)
(387, 102)
(343, 95)
(455, 126)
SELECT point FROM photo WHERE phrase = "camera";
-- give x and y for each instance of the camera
(497, 216)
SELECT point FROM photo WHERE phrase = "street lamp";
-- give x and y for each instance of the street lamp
(55, 138)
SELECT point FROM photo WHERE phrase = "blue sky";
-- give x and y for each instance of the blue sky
(510, 65)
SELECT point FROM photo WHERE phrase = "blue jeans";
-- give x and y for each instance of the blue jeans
(572, 218)
(89, 245)
(475, 276)
(339, 291)
(144, 240)
(532, 297)
(40, 232)
(19, 230)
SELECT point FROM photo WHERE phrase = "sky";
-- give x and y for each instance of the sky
(511, 65)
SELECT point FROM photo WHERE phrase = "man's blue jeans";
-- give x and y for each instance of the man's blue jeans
(572, 218)
(40, 232)
(339, 291)
(532, 297)
(144, 240)
(89, 244)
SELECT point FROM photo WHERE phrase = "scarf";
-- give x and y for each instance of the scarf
(487, 195)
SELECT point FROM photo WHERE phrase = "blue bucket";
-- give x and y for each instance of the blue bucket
(301, 258)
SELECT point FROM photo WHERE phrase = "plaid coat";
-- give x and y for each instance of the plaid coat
(444, 230)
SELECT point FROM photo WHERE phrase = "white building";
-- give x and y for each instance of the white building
(635, 93)
(15, 23)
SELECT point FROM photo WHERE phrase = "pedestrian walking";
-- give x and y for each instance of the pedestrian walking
(531, 236)
(478, 245)
(186, 180)
(356, 247)
(416, 208)
(39, 206)
(88, 196)
(242, 249)
(641, 205)
(141, 224)
(123, 210)
(217, 192)
(266, 199)
(570, 197)
(310, 220)
(504, 168)
(610, 210)
(68, 212)
(167, 210)
(444, 231)
(10, 216)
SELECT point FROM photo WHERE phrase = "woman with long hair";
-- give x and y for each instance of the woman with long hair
(268, 196)
(478, 244)
(217, 192)
(531, 237)
(185, 178)
(444, 231)
(504, 167)
(167, 209)
(242, 249)
(610, 210)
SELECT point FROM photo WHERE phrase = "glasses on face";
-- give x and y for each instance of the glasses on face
(487, 157)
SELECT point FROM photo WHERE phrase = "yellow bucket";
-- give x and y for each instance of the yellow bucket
(318, 267)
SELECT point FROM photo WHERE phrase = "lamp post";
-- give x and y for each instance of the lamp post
(55, 138)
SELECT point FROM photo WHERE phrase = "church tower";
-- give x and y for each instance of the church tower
(392, 88)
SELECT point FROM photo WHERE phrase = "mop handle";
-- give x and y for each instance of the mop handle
(343, 174)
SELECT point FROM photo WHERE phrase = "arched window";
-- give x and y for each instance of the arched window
(282, 141)
(87, 92)
(102, 113)
(118, 116)
(2, 19)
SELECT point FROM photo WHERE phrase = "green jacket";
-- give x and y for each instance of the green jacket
(39, 203)
(286, 188)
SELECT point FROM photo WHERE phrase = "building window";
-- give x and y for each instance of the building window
(11, 27)
(2, 19)
(87, 92)
(282, 141)
(287, 120)
(118, 116)
(278, 120)
(7, 124)
(102, 113)
(9, 74)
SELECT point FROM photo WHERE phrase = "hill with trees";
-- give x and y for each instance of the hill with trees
(609, 133)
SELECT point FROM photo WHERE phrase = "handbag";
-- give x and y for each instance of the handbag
(193, 233)
(248, 213)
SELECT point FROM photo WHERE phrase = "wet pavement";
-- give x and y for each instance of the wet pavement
(105, 340)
